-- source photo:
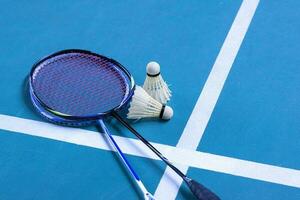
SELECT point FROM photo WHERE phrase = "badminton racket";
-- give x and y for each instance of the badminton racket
(54, 81)
(84, 86)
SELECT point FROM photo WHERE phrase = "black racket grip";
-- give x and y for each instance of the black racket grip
(201, 192)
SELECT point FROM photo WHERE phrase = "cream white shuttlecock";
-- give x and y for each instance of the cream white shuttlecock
(155, 85)
(143, 105)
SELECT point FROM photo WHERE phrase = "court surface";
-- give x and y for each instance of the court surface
(233, 67)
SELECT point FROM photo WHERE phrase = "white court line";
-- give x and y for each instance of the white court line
(184, 157)
(170, 182)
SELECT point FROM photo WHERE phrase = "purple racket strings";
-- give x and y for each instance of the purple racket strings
(79, 84)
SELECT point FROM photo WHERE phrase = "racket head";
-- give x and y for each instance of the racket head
(80, 85)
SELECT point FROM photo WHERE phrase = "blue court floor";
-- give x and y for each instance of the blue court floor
(233, 68)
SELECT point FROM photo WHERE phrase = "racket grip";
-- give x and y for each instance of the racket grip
(201, 192)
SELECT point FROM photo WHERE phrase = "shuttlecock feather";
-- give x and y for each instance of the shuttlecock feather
(143, 105)
(155, 85)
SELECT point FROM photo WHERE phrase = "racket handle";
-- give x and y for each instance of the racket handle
(199, 191)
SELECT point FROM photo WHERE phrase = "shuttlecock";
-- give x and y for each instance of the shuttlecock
(154, 84)
(143, 105)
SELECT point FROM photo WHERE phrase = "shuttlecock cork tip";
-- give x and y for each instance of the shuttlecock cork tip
(153, 68)
(167, 113)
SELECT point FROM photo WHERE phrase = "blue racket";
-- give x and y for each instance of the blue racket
(78, 88)
(65, 62)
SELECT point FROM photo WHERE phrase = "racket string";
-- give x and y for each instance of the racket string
(78, 84)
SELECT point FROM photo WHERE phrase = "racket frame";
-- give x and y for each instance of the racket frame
(118, 66)
(78, 121)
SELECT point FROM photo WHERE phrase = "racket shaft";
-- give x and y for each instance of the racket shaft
(124, 160)
(149, 145)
